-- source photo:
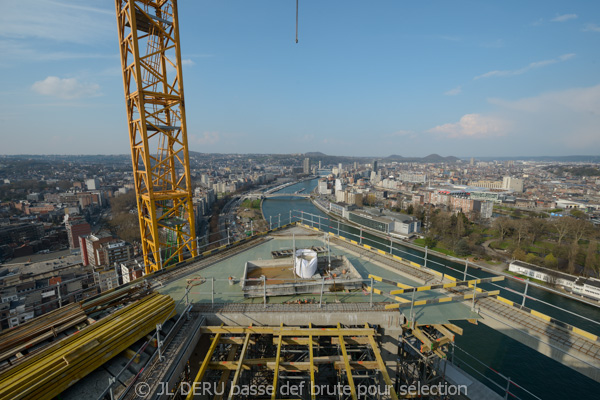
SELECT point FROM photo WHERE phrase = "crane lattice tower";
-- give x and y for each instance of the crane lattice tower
(151, 63)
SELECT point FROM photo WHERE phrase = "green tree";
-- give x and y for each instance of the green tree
(531, 258)
(503, 225)
(519, 254)
(591, 258)
(430, 241)
(550, 261)
(573, 251)
(463, 248)
(537, 228)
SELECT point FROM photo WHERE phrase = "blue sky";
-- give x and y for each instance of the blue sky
(367, 78)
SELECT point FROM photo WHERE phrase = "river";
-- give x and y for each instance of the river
(541, 375)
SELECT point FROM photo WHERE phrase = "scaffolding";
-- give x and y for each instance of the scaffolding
(293, 362)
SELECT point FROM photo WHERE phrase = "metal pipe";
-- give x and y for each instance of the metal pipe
(265, 290)
(322, 289)
(412, 304)
(506, 393)
(525, 293)
(372, 284)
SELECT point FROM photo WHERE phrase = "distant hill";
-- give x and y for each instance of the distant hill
(581, 159)
(432, 158)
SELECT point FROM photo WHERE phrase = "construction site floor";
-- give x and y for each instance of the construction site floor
(364, 261)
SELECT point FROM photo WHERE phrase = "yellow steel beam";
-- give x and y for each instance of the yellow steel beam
(444, 299)
(276, 372)
(347, 363)
(50, 371)
(286, 331)
(382, 366)
(382, 293)
(291, 365)
(389, 282)
(304, 341)
(445, 331)
(205, 364)
(447, 285)
(312, 365)
(454, 328)
(238, 371)
(225, 375)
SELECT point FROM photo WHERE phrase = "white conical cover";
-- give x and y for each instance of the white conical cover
(306, 263)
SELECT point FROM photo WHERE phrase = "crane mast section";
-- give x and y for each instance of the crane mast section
(152, 77)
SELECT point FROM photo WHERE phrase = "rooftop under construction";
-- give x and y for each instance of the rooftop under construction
(245, 320)
(191, 330)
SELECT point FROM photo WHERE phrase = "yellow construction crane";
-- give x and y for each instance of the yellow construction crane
(151, 63)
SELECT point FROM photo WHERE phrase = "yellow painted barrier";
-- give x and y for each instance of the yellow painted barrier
(585, 334)
(504, 300)
(540, 315)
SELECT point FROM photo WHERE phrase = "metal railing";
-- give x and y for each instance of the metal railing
(426, 262)
(506, 389)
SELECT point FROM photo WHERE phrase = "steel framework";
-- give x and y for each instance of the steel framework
(318, 356)
(152, 77)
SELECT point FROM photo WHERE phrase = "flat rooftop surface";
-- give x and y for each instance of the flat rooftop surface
(234, 266)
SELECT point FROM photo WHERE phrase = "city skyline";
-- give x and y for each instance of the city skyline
(364, 80)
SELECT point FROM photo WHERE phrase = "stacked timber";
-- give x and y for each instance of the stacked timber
(48, 373)
(48, 326)
(115, 297)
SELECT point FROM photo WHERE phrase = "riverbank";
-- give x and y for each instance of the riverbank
(492, 269)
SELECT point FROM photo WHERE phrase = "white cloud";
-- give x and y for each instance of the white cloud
(564, 17)
(473, 126)
(401, 133)
(537, 22)
(453, 92)
(207, 138)
(68, 88)
(533, 65)
(591, 28)
(58, 21)
(567, 119)
(579, 100)
(187, 62)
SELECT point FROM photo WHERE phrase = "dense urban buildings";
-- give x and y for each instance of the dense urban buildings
(82, 206)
